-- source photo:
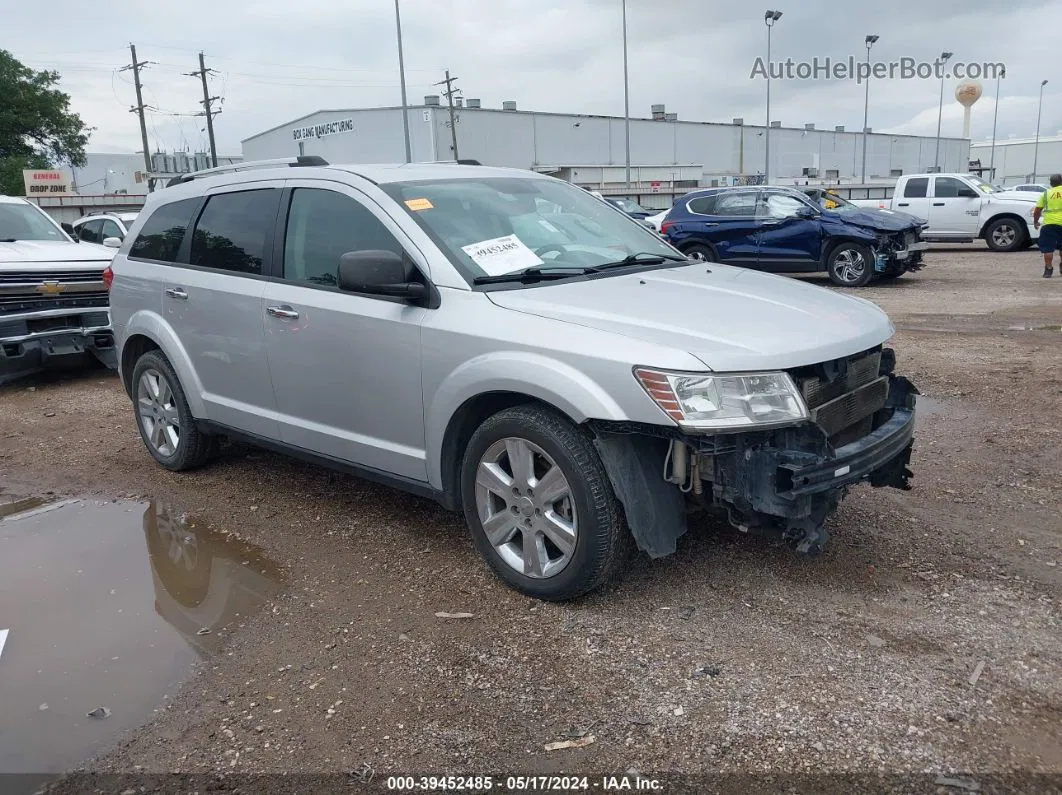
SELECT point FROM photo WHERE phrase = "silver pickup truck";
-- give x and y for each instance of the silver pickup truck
(53, 300)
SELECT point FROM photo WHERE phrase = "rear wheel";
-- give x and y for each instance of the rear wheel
(700, 253)
(540, 506)
(850, 265)
(162, 415)
(1006, 234)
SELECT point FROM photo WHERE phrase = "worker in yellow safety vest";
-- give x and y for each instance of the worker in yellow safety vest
(1049, 207)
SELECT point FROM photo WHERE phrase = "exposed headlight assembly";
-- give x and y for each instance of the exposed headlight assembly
(721, 402)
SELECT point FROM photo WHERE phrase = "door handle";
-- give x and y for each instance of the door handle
(903, 204)
(177, 292)
(938, 204)
(285, 312)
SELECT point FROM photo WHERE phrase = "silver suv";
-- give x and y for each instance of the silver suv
(508, 345)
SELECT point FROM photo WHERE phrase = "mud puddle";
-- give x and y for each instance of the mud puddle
(109, 606)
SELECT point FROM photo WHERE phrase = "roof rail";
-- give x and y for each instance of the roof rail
(456, 162)
(231, 168)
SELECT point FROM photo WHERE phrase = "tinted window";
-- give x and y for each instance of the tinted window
(162, 233)
(778, 205)
(948, 187)
(110, 229)
(916, 188)
(324, 225)
(705, 205)
(741, 204)
(89, 232)
(233, 229)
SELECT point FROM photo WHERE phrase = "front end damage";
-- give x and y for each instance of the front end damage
(899, 252)
(784, 483)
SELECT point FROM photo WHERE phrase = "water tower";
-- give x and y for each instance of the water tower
(967, 93)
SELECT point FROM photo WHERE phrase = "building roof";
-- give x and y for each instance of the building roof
(295, 122)
(1044, 139)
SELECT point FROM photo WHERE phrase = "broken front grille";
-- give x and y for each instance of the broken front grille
(843, 395)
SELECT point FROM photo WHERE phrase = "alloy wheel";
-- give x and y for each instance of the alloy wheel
(1004, 235)
(157, 409)
(526, 508)
(850, 265)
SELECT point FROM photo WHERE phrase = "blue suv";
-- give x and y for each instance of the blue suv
(784, 231)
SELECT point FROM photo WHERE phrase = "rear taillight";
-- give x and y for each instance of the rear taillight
(108, 277)
(665, 225)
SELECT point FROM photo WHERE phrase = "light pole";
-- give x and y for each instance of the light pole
(944, 56)
(769, 18)
(866, 106)
(402, 80)
(626, 99)
(995, 115)
(1036, 146)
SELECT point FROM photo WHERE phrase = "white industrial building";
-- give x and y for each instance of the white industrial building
(667, 155)
(1013, 159)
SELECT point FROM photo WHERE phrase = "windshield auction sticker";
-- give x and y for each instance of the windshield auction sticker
(502, 255)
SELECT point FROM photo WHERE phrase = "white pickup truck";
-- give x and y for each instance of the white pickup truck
(961, 208)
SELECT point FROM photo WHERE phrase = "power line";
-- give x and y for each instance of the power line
(136, 66)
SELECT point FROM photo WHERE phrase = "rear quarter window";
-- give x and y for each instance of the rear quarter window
(163, 232)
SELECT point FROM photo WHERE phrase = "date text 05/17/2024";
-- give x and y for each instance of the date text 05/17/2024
(482, 783)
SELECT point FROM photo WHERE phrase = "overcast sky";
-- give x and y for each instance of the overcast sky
(276, 60)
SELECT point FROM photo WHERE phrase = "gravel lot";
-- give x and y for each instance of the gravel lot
(926, 640)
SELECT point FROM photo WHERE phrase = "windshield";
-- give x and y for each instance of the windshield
(628, 206)
(24, 222)
(831, 201)
(497, 225)
(981, 185)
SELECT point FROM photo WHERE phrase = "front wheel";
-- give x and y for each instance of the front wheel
(850, 265)
(540, 506)
(1006, 234)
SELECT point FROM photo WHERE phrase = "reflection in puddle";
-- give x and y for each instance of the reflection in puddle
(1034, 328)
(105, 603)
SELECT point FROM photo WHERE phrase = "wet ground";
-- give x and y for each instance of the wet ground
(109, 607)
(927, 638)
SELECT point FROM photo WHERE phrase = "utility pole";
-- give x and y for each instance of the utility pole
(136, 66)
(208, 109)
(450, 91)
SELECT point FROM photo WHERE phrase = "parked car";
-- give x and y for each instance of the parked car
(632, 208)
(654, 221)
(962, 208)
(572, 395)
(781, 230)
(1027, 188)
(98, 227)
(53, 301)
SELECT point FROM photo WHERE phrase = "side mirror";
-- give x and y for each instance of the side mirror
(378, 273)
(69, 229)
(967, 193)
(112, 242)
(806, 212)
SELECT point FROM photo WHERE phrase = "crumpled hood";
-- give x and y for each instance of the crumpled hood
(731, 319)
(879, 220)
(51, 251)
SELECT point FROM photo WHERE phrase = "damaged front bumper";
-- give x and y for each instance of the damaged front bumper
(783, 483)
(55, 338)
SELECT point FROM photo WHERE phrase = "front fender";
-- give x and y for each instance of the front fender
(156, 329)
(531, 374)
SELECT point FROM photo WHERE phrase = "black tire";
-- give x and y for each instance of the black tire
(1006, 234)
(699, 251)
(194, 448)
(603, 542)
(840, 267)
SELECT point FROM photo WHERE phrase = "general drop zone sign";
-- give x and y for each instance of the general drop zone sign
(47, 182)
(323, 130)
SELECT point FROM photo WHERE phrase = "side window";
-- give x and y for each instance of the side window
(947, 187)
(738, 204)
(778, 205)
(233, 230)
(705, 205)
(916, 188)
(110, 229)
(89, 232)
(160, 237)
(322, 226)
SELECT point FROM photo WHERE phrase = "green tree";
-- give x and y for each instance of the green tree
(37, 128)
